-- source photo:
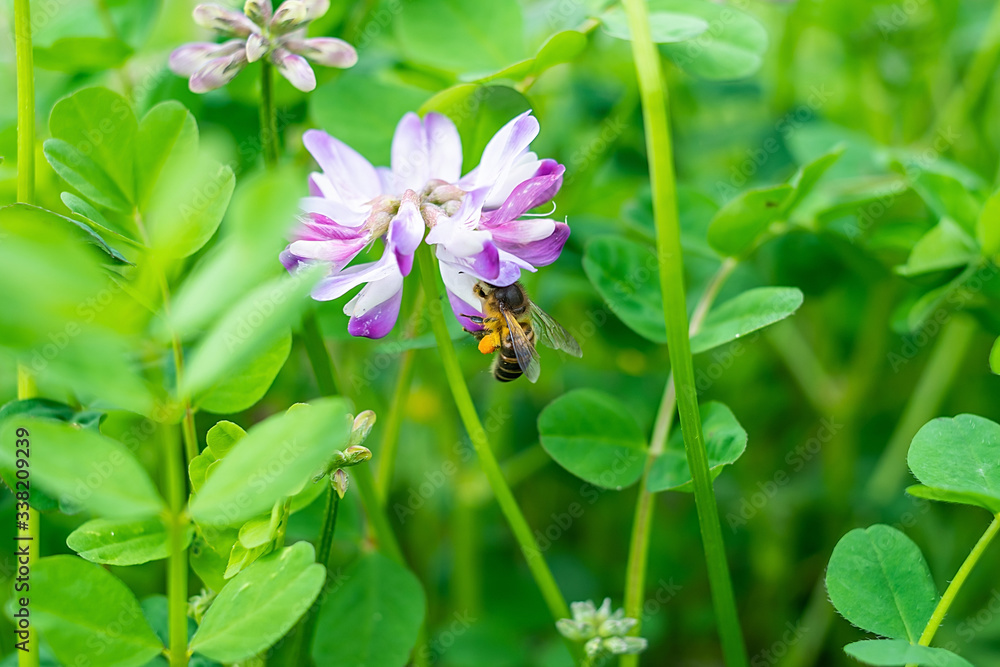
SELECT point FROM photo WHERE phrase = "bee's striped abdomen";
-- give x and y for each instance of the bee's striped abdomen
(505, 367)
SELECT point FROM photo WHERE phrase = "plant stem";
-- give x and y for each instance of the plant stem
(927, 636)
(177, 566)
(26, 194)
(268, 118)
(638, 555)
(934, 383)
(477, 434)
(312, 337)
(653, 93)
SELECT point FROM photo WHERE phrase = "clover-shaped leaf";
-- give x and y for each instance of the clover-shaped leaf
(959, 458)
(725, 441)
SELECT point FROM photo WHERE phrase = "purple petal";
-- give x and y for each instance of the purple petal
(378, 320)
(505, 148)
(541, 252)
(189, 58)
(337, 252)
(350, 175)
(523, 231)
(342, 282)
(227, 21)
(405, 233)
(410, 153)
(327, 51)
(461, 309)
(294, 68)
(217, 72)
(458, 284)
(535, 191)
(333, 209)
(486, 263)
(256, 47)
(291, 262)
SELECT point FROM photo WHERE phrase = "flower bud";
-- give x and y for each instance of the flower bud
(258, 11)
(290, 15)
(362, 426)
(223, 20)
(446, 193)
(257, 46)
(339, 481)
(327, 51)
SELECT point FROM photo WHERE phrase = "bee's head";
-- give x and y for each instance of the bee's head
(511, 295)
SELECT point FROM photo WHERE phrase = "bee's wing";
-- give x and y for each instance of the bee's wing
(527, 355)
(552, 334)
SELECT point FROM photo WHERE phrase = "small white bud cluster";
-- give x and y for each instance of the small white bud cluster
(603, 633)
(355, 453)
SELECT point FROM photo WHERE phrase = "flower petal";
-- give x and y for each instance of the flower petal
(410, 153)
(538, 252)
(460, 295)
(227, 21)
(291, 15)
(377, 308)
(337, 252)
(327, 51)
(294, 68)
(535, 191)
(217, 72)
(351, 176)
(258, 11)
(257, 46)
(189, 58)
(445, 148)
(334, 210)
(340, 283)
(405, 233)
(502, 154)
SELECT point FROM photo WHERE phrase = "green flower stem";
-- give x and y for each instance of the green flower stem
(26, 194)
(927, 636)
(319, 357)
(638, 555)
(934, 384)
(477, 434)
(177, 563)
(268, 118)
(653, 93)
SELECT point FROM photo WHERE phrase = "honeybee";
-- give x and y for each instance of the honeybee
(512, 324)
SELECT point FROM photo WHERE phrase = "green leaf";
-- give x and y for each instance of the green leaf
(732, 48)
(725, 441)
(478, 112)
(277, 456)
(187, 205)
(666, 26)
(945, 246)
(111, 225)
(959, 454)
(99, 124)
(84, 174)
(988, 226)
(879, 581)
(960, 497)
(84, 468)
(560, 48)
(123, 542)
(462, 35)
(373, 619)
(746, 313)
(626, 275)
(76, 55)
(244, 388)
(592, 435)
(995, 357)
(809, 175)
(222, 437)
(88, 616)
(260, 605)
(252, 326)
(167, 134)
(948, 197)
(893, 652)
(737, 226)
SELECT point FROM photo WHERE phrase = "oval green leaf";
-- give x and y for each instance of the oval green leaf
(84, 468)
(959, 454)
(373, 619)
(879, 581)
(243, 389)
(592, 435)
(123, 542)
(733, 47)
(737, 226)
(897, 653)
(275, 459)
(626, 275)
(260, 605)
(103, 625)
(666, 27)
(725, 441)
(746, 313)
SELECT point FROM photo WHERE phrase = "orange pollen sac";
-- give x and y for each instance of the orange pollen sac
(487, 345)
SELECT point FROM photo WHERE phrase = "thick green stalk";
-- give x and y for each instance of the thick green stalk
(26, 194)
(477, 434)
(177, 563)
(653, 93)
(268, 118)
(638, 554)
(927, 636)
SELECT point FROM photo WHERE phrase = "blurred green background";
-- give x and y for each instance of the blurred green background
(908, 83)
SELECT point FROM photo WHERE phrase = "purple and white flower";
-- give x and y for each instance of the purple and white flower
(477, 222)
(260, 33)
